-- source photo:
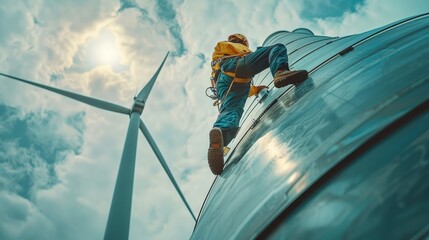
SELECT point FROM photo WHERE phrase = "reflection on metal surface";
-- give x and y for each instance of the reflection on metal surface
(380, 195)
(305, 160)
(277, 152)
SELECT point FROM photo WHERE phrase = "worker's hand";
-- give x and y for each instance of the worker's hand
(254, 90)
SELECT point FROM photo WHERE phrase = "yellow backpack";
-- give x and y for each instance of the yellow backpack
(222, 51)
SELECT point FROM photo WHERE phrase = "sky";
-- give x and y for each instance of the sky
(59, 158)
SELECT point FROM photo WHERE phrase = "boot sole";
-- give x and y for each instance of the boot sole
(215, 152)
(294, 79)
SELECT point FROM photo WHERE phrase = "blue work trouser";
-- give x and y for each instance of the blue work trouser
(232, 107)
(274, 57)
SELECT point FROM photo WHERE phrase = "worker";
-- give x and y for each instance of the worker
(234, 65)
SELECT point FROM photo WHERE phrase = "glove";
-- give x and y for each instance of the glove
(254, 90)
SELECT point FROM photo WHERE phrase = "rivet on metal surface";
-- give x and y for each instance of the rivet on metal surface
(345, 51)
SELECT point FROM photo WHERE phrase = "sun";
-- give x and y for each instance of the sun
(103, 49)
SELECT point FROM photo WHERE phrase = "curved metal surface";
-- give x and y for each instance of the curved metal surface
(303, 30)
(371, 196)
(290, 139)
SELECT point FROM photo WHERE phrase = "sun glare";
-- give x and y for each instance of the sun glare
(103, 50)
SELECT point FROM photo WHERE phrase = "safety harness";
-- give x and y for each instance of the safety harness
(223, 51)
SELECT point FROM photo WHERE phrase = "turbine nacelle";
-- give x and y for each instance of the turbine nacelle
(138, 106)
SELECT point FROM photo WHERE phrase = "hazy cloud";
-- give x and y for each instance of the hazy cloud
(32, 145)
(325, 9)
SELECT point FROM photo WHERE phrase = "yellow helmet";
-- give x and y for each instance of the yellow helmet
(238, 38)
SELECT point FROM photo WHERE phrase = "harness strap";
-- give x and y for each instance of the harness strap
(220, 61)
(218, 101)
(235, 79)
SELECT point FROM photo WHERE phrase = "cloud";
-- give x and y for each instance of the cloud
(324, 9)
(371, 14)
(32, 145)
(22, 220)
(166, 11)
(71, 168)
(125, 4)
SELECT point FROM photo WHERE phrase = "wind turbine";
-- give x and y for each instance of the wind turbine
(118, 222)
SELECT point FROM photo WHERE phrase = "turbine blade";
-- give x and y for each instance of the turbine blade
(144, 93)
(118, 223)
(161, 159)
(88, 100)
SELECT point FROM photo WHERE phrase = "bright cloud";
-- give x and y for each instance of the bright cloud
(57, 174)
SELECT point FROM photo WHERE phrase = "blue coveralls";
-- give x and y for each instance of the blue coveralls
(232, 107)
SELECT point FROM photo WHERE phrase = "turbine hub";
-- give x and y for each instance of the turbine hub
(137, 107)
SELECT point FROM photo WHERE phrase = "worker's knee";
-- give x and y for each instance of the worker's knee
(278, 50)
(278, 46)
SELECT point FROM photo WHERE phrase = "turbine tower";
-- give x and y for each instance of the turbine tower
(118, 223)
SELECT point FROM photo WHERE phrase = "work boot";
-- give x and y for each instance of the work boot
(286, 77)
(215, 152)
